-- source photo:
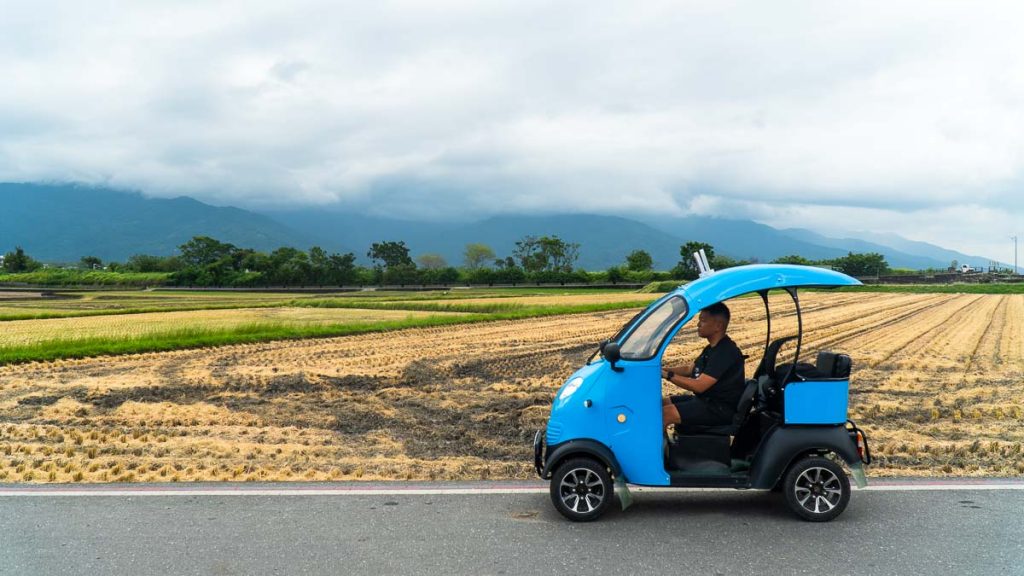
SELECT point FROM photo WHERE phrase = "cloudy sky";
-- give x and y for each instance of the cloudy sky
(902, 117)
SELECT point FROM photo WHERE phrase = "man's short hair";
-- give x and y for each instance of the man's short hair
(719, 310)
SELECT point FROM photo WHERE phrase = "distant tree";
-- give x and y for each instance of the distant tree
(528, 253)
(91, 263)
(202, 251)
(615, 274)
(319, 260)
(147, 263)
(687, 267)
(255, 262)
(327, 269)
(401, 274)
(506, 263)
(793, 259)
(342, 269)
(476, 254)
(547, 253)
(432, 261)
(721, 262)
(954, 265)
(290, 267)
(869, 264)
(390, 255)
(18, 261)
(448, 275)
(319, 266)
(639, 261)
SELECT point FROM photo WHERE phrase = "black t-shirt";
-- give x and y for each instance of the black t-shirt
(723, 362)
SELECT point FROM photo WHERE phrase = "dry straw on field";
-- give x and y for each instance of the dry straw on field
(938, 382)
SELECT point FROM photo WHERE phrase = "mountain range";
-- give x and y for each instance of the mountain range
(63, 222)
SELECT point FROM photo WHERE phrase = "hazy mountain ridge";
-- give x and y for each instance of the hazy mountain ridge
(913, 254)
(62, 223)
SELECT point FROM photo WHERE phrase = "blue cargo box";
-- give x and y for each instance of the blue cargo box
(816, 402)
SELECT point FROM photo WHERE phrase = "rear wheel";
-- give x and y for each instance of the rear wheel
(816, 489)
(581, 489)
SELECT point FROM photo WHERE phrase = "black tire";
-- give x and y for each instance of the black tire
(581, 489)
(816, 489)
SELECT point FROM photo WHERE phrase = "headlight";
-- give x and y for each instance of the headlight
(570, 387)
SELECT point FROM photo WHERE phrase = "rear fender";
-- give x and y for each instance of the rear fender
(582, 447)
(783, 445)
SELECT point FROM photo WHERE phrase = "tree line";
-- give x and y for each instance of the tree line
(205, 261)
(853, 264)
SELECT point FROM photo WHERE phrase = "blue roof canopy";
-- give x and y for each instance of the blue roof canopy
(733, 282)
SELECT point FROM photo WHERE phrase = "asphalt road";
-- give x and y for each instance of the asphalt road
(509, 530)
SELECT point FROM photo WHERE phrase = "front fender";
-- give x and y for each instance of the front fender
(784, 444)
(580, 447)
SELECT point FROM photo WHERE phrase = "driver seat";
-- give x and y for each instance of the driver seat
(757, 386)
(771, 354)
(730, 429)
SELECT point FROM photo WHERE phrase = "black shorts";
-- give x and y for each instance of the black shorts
(693, 410)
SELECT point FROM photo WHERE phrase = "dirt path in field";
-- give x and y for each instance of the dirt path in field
(937, 380)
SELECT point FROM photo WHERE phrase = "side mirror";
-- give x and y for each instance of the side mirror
(610, 351)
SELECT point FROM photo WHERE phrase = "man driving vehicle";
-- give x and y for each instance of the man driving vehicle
(716, 378)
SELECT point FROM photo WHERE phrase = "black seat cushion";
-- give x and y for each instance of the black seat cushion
(803, 371)
(730, 428)
(834, 365)
(829, 366)
(771, 353)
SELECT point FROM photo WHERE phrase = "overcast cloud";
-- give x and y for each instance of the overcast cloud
(902, 117)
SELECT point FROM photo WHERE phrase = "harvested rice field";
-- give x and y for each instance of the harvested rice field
(938, 383)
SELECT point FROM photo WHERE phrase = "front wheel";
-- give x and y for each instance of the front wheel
(581, 489)
(816, 489)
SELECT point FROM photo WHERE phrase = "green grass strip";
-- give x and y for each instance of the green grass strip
(486, 308)
(49, 314)
(482, 308)
(938, 288)
(84, 278)
(65, 348)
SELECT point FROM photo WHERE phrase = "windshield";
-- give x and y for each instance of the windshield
(644, 340)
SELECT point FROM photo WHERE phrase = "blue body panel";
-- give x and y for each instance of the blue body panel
(811, 402)
(570, 419)
(635, 391)
(635, 394)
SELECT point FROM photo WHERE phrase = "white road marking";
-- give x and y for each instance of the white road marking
(423, 491)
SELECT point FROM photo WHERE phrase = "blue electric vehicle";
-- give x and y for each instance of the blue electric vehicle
(790, 432)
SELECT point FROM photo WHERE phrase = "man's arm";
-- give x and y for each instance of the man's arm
(684, 369)
(695, 385)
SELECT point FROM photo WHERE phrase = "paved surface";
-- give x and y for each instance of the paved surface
(507, 528)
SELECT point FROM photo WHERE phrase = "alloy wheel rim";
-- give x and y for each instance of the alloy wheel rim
(581, 490)
(818, 490)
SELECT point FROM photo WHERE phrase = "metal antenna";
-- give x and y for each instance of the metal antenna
(707, 270)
